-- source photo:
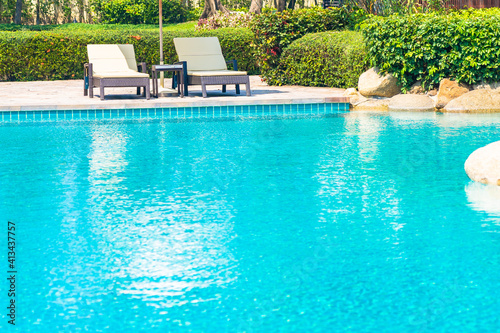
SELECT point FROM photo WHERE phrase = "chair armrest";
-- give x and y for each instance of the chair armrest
(142, 67)
(234, 63)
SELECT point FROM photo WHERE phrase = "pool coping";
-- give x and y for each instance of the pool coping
(68, 95)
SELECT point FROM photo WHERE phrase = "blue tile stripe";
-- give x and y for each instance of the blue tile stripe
(229, 111)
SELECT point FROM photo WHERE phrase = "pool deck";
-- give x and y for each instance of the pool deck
(68, 95)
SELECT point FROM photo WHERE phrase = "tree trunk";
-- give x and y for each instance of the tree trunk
(37, 19)
(19, 11)
(256, 6)
(291, 4)
(281, 5)
(211, 8)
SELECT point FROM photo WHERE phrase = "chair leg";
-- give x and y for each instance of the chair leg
(146, 89)
(223, 88)
(101, 91)
(203, 88)
(237, 89)
(247, 86)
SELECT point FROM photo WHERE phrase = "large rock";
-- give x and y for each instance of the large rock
(411, 102)
(483, 100)
(483, 165)
(372, 84)
(449, 90)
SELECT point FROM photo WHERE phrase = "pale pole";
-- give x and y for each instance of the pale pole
(162, 82)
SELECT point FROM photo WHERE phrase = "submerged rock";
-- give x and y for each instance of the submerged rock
(449, 90)
(483, 165)
(482, 100)
(483, 198)
(373, 104)
(411, 102)
(372, 84)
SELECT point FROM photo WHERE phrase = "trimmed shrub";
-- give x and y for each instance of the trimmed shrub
(276, 30)
(462, 45)
(325, 59)
(31, 56)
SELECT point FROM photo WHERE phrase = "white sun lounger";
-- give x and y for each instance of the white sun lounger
(114, 65)
(206, 64)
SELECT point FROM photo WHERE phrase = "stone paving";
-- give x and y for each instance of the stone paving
(66, 95)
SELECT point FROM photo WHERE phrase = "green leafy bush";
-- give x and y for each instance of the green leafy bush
(276, 30)
(326, 59)
(31, 56)
(139, 11)
(462, 45)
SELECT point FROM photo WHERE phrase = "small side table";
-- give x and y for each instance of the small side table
(176, 68)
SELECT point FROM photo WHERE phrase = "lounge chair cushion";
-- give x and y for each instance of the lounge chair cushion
(216, 73)
(125, 73)
(200, 53)
(110, 58)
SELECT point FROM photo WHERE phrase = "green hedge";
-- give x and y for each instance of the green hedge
(463, 45)
(326, 59)
(45, 55)
(276, 30)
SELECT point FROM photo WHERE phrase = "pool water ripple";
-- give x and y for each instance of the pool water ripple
(355, 222)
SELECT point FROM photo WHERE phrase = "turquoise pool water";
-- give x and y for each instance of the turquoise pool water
(345, 223)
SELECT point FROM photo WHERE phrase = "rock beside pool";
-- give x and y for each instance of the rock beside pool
(482, 100)
(372, 84)
(483, 165)
(411, 102)
(449, 90)
(354, 96)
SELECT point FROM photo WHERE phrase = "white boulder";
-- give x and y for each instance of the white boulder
(483, 165)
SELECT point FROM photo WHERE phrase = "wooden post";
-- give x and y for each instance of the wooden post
(162, 75)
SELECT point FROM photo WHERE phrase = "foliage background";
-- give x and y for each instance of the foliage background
(461, 45)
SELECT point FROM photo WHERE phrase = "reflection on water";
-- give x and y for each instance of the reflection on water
(163, 238)
(484, 198)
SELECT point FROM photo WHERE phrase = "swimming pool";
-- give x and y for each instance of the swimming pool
(355, 222)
